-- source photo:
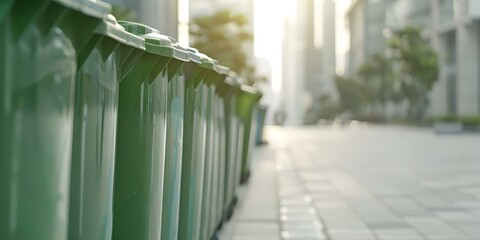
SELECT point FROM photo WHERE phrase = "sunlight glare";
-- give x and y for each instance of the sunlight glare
(268, 29)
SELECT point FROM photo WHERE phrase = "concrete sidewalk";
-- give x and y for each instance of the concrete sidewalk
(361, 183)
(256, 216)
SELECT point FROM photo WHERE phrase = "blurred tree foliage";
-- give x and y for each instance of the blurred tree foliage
(417, 68)
(407, 72)
(325, 107)
(353, 94)
(377, 76)
(224, 36)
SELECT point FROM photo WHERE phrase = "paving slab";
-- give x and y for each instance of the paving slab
(365, 182)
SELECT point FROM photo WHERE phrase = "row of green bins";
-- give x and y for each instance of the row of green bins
(102, 64)
(100, 106)
(247, 110)
(193, 147)
(39, 50)
(150, 124)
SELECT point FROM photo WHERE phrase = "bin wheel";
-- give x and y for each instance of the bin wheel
(214, 237)
(231, 209)
(245, 177)
(220, 225)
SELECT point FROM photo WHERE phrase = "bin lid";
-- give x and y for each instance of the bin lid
(112, 29)
(207, 62)
(251, 91)
(232, 79)
(181, 52)
(155, 42)
(194, 55)
(223, 70)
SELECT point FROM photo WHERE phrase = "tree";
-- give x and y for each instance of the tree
(351, 92)
(417, 66)
(224, 36)
(377, 75)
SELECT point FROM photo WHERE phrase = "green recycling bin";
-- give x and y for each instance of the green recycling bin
(141, 138)
(222, 159)
(204, 214)
(216, 168)
(94, 129)
(239, 140)
(240, 145)
(174, 142)
(247, 109)
(194, 146)
(205, 229)
(228, 90)
(39, 50)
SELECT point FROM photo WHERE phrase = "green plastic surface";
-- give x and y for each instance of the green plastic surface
(161, 45)
(94, 144)
(140, 149)
(194, 55)
(239, 132)
(4, 8)
(113, 131)
(36, 119)
(219, 167)
(174, 148)
(194, 142)
(261, 115)
(205, 225)
(228, 91)
(215, 167)
(113, 30)
(156, 43)
(249, 97)
(95, 126)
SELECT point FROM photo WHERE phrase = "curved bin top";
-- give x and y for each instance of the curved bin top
(155, 42)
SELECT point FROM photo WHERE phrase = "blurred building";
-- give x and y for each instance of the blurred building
(320, 52)
(160, 14)
(366, 21)
(308, 59)
(453, 29)
(291, 101)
